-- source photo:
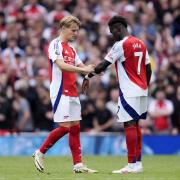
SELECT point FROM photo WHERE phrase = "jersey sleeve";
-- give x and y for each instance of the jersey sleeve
(55, 50)
(114, 54)
(147, 60)
(77, 59)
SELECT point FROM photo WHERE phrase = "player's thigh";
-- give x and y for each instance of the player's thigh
(61, 109)
(68, 111)
(75, 110)
(137, 105)
(144, 104)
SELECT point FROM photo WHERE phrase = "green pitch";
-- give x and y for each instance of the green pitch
(60, 168)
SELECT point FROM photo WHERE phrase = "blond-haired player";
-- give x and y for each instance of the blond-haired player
(64, 63)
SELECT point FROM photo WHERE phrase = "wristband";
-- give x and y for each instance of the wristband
(86, 77)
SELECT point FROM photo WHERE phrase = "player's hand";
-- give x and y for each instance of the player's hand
(85, 85)
(88, 69)
(101, 74)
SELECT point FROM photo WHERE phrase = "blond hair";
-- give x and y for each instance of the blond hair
(68, 20)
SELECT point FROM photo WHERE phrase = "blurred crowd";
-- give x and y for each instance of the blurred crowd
(27, 27)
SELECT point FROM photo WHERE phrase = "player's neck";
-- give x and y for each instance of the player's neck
(63, 38)
(125, 33)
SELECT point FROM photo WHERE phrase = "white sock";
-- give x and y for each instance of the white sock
(132, 165)
(138, 163)
(40, 153)
(78, 165)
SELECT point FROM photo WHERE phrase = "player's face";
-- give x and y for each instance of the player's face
(115, 30)
(71, 32)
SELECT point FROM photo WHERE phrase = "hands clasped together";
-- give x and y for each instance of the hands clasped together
(90, 72)
(85, 85)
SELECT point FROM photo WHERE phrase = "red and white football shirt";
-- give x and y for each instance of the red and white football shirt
(62, 82)
(130, 57)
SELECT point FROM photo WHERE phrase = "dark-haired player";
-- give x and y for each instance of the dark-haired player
(133, 71)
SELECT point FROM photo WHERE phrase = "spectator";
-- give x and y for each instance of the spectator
(58, 13)
(9, 54)
(5, 115)
(34, 11)
(23, 123)
(160, 111)
(112, 105)
(145, 30)
(103, 118)
(88, 113)
(27, 27)
(44, 115)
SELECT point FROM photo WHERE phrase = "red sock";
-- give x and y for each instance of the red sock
(131, 142)
(74, 143)
(139, 143)
(53, 137)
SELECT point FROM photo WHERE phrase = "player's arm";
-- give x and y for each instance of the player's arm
(148, 73)
(81, 65)
(110, 58)
(67, 67)
(55, 54)
(98, 69)
(148, 68)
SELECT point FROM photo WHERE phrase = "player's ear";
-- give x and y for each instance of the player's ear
(63, 28)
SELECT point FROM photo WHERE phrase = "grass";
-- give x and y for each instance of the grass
(60, 168)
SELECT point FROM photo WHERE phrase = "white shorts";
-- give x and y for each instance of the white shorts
(131, 108)
(66, 109)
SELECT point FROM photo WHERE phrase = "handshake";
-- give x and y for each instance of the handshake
(89, 69)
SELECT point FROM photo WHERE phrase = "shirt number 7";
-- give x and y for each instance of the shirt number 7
(139, 55)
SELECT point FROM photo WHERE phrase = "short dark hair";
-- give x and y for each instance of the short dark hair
(118, 19)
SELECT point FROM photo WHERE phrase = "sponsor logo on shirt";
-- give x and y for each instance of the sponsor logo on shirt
(69, 60)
